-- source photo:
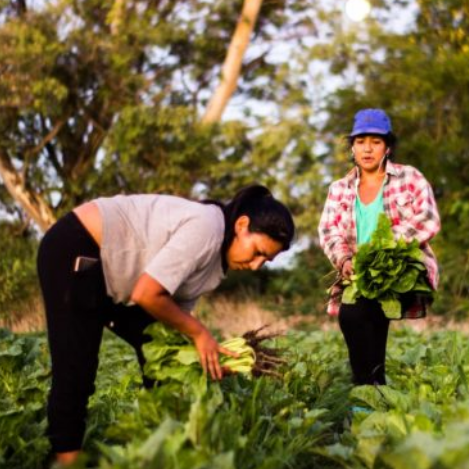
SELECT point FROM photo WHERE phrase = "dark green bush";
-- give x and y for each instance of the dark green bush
(18, 279)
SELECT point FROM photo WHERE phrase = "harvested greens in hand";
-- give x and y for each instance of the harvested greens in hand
(171, 355)
(384, 269)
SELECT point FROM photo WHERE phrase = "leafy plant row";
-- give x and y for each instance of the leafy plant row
(419, 420)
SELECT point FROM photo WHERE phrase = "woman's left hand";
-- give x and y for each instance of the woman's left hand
(347, 269)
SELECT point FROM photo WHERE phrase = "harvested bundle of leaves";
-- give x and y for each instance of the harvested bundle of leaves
(171, 355)
(385, 269)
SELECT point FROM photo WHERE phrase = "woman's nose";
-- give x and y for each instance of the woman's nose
(257, 263)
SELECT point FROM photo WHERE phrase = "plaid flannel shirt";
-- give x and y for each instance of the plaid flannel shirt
(408, 202)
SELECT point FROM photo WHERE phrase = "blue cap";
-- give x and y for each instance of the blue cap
(371, 121)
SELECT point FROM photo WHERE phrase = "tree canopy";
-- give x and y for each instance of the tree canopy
(102, 97)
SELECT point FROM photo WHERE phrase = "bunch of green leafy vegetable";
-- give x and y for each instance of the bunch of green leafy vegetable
(385, 269)
(172, 356)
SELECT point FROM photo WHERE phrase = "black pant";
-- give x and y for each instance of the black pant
(77, 310)
(365, 329)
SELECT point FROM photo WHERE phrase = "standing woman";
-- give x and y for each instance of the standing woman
(124, 262)
(350, 216)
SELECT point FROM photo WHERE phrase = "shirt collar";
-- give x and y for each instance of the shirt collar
(391, 170)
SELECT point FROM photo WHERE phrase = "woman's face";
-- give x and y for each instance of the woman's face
(369, 151)
(250, 250)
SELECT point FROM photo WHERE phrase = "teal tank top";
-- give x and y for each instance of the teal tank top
(367, 216)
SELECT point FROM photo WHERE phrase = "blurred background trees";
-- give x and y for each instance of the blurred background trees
(105, 97)
(421, 77)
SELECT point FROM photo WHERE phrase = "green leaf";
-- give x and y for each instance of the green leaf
(391, 307)
(406, 282)
(349, 294)
(187, 355)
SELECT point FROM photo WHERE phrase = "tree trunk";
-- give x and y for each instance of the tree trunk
(34, 205)
(233, 61)
(116, 16)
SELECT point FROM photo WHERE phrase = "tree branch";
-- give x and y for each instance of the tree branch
(35, 150)
(54, 160)
(233, 61)
(89, 150)
(116, 16)
(33, 204)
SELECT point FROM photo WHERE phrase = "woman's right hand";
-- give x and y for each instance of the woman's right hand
(154, 298)
(209, 349)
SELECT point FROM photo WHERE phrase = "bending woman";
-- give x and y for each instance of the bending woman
(350, 216)
(126, 261)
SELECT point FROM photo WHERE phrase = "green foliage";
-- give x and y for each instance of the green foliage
(171, 356)
(384, 269)
(23, 383)
(101, 98)
(452, 250)
(85, 112)
(230, 424)
(18, 280)
(420, 420)
(300, 289)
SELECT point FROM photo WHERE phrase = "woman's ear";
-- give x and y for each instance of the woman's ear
(242, 224)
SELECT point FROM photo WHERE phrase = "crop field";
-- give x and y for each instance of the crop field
(420, 420)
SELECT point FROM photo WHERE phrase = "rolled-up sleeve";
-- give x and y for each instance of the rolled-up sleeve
(332, 237)
(425, 221)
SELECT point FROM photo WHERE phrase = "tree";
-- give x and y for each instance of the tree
(99, 97)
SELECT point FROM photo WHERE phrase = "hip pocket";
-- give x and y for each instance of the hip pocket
(87, 288)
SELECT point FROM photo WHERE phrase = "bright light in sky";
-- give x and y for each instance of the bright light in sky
(357, 10)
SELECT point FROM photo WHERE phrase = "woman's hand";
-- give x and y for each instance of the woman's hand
(153, 298)
(347, 269)
(209, 349)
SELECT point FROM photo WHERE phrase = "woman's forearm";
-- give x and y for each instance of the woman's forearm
(163, 308)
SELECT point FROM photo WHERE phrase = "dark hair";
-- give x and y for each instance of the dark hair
(390, 140)
(266, 215)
